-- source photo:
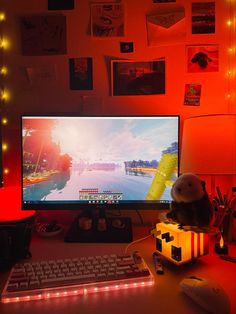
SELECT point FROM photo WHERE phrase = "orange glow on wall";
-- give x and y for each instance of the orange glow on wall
(209, 144)
(11, 205)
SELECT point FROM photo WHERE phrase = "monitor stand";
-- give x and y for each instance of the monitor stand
(90, 227)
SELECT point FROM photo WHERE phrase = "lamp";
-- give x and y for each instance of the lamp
(209, 146)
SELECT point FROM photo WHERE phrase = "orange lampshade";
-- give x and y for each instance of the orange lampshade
(209, 144)
(10, 198)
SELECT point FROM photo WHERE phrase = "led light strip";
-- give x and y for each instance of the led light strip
(45, 294)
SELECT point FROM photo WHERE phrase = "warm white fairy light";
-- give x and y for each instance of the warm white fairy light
(2, 16)
(4, 121)
(6, 171)
(4, 147)
(4, 93)
(3, 70)
(230, 73)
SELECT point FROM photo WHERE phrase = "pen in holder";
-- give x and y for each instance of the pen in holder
(225, 211)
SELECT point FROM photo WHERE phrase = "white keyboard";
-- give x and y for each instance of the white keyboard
(75, 276)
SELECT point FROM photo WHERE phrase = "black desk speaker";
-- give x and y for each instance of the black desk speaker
(15, 228)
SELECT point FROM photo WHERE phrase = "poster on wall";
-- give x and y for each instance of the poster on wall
(192, 94)
(167, 26)
(60, 4)
(81, 73)
(43, 35)
(137, 77)
(203, 17)
(202, 58)
(163, 1)
(41, 75)
(107, 20)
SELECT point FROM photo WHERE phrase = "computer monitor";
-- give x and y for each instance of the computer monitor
(98, 162)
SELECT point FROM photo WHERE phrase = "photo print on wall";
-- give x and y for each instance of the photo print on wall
(167, 26)
(202, 58)
(203, 17)
(107, 20)
(137, 77)
(81, 73)
(163, 1)
(60, 4)
(43, 35)
(41, 74)
(192, 94)
(126, 47)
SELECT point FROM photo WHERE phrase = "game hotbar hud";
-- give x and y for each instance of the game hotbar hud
(98, 160)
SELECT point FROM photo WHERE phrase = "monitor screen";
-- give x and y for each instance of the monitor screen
(78, 162)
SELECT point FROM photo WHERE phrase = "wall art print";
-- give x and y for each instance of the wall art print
(203, 17)
(137, 77)
(192, 94)
(107, 20)
(163, 1)
(43, 35)
(61, 4)
(167, 26)
(81, 73)
(202, 58)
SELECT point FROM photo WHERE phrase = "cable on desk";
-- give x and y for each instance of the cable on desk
(136, 241)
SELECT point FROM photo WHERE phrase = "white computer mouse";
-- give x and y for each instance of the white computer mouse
(207, 293)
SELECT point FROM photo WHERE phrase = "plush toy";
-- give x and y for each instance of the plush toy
(191, 208)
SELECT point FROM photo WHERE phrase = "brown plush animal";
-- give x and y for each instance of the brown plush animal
(191, 208)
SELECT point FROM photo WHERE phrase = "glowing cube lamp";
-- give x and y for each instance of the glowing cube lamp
(180, 246)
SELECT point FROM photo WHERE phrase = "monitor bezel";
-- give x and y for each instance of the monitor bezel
(139, 205)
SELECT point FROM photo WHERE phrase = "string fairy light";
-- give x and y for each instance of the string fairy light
(230, 73)
(4, 96)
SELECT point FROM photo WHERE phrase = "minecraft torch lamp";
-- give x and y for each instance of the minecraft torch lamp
(179, 246)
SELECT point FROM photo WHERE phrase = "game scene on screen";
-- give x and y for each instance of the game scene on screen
(98, 159)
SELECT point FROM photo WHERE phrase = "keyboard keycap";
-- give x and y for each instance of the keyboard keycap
(79, 275)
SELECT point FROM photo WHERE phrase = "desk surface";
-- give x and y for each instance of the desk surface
(163, 297)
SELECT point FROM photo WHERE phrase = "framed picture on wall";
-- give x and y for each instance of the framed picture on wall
(43, 35)
(81, 73)
(137, 77)
(107, 20)
(202, 58)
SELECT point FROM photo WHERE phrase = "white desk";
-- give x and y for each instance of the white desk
(162, 298)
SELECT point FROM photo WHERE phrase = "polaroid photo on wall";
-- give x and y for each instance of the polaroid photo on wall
(81, 73)
(137, 77)
(107, 20)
